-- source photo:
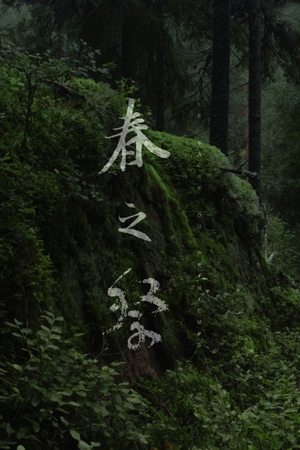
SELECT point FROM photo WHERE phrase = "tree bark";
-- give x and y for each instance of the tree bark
(255, 68)
(160, 70)
(61, 13)
(128, 43)
(220, 75)
(62, 38)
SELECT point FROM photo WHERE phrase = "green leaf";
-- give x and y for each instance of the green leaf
(36, 427)
(83, 446)
(143, 438)
(17, 367)
(73, 403)
(22, 433)
(75, 435)
(35, 402)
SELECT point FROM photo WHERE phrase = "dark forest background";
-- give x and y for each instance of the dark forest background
(218, 83)
(191, 64)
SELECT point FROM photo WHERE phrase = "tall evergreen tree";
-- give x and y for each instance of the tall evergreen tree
(220, 75)
(160, 69)
(128, 39)
(255, 71)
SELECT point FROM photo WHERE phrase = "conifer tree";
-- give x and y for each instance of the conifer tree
(220, 75)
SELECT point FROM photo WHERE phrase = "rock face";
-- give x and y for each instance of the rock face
(63, 249)
(229, 334)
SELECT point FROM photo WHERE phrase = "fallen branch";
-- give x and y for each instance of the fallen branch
(64, 89)
(240, 172)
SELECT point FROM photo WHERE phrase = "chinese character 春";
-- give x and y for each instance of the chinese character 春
(133, 123)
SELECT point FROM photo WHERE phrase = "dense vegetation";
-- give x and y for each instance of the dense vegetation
(226, 374)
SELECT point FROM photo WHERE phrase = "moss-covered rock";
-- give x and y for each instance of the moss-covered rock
(61, 250)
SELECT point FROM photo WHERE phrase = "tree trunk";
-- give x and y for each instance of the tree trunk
(160, 70)
(254, 11)
(61, 13)
(220, 75)
(62, 39)
(128, 44)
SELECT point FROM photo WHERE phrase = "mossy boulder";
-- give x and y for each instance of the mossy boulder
(204, 224)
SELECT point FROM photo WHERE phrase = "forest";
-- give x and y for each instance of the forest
(150, 224)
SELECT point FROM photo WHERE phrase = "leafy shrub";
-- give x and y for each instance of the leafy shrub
(274, 422)
(193, 409)
(54, 396)
(281, 246)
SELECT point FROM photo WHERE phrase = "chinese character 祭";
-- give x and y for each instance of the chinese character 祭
(133, 124)
(141, 333)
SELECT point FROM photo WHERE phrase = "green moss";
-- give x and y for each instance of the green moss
(76, 217)
(60, 249)
(81, 232)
